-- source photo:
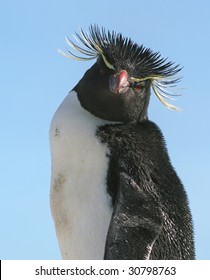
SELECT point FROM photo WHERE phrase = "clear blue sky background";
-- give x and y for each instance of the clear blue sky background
(34, 79)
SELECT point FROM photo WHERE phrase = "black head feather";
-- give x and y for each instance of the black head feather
(120, 53)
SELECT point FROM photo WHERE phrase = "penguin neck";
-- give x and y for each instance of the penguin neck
(144, 112)
(88, 105)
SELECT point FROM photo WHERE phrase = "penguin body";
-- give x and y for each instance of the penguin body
(151, 218)
(114, 192)
(80, 205)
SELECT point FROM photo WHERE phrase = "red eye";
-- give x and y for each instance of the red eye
(138, 86)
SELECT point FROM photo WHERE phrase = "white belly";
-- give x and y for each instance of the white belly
(80, 205)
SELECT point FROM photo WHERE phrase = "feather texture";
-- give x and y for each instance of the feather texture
(121, 53)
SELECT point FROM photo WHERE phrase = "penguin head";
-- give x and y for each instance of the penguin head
(117, 87)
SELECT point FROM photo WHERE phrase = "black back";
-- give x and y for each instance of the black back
(150, 205)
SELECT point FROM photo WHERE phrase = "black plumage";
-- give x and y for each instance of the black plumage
(150, 205)
(151, 217)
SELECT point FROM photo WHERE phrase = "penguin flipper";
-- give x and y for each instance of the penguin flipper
(135, 224)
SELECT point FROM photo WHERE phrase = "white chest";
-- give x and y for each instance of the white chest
(80, 205)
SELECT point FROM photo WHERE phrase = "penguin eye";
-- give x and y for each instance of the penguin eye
(138, 86)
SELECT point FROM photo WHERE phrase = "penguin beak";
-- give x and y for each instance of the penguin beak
(118, 83)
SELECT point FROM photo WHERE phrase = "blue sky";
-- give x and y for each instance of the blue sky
(34, 79)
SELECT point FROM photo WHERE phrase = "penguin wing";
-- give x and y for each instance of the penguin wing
(135, 224)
